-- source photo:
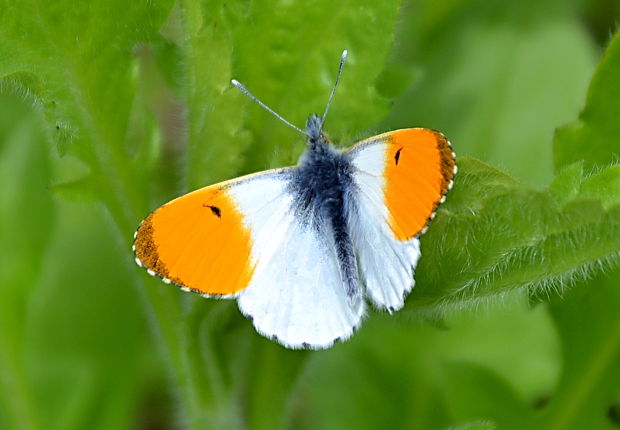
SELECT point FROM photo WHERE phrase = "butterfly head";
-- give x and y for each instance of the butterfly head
(314, 131)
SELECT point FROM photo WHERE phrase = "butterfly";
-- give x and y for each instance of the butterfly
(303, 249)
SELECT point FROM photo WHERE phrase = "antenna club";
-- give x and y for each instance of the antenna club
(343, 60)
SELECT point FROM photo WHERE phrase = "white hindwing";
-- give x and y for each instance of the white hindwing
(386, 264)
(296, 293)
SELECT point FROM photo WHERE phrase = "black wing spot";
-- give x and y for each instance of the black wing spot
(216, 211)
(397, 156)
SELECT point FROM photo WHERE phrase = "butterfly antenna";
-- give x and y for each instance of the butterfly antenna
(245, 91)
(343, 59)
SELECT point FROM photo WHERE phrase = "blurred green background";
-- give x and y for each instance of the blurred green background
(108, 109)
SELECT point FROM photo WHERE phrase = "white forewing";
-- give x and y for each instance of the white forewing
(385, 263)
(296, 294)
(368, 157)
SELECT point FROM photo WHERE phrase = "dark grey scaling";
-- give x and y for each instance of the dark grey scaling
(322, 186)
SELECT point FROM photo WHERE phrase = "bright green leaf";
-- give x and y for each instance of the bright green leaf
(494, 235)
(604, 185)
(595, 136)
(567, 183)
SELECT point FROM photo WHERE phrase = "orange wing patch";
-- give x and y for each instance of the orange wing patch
(198, 242)
(419, 171)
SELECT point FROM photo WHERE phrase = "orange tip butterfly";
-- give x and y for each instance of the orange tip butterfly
(304, 248)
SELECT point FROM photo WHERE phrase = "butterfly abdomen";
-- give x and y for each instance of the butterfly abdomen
(322, 187)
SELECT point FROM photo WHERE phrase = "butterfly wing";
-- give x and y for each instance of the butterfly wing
(201, 241)
(297, 295)
(400, 178)
(241, 239)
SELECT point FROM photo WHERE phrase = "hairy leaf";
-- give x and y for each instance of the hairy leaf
(495, 235)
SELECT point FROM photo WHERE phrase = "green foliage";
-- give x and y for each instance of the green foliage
(588, 325)
(513, 237)
(109, 108)
(493, 76)
(593, 138)
(25, 236)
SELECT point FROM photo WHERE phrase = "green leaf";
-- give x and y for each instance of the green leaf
(21, 84)
(215, 113)
(83, 189)
(495, 235)
(567, 183)
(272, 374)
(594, 136)
(588, 322)
(84, 320)
(399, 374)
(495, 77)
(291, 66)
(571, 183)
(81, 58)
(604, 185)
(476, 395)
(385, 377)
(27, 217)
